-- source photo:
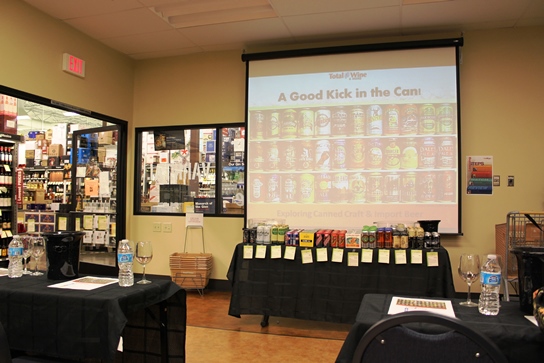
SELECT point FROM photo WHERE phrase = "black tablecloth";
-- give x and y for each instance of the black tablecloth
(327, 291)
(87, 324)
(518, 338)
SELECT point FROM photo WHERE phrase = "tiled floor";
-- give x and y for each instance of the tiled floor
(215, 336)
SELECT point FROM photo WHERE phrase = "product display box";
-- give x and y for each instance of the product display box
(307, 238)
(105, 138)
(353, 240)
(55, 150)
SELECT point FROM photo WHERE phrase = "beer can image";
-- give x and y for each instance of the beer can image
(447, 186)
(409, 155)
(272, 188)
(306, 190)
(338, 154)
(323, 188)
(445, 118)
(392, 120)
(356, 121)
(288, 157)
(409, 119)
(446, 153)
(322, 122)
(288, 124)
(391, 156)
(391, 188)
(256, 124)
(427, 119)
(339, 120)
(340, 185)
(257, 188)
(355, 154)
(273, 124)
(374, 188)
(257, 156)
(322, 155)
(408, 188)
(374, 120)
(305, 152)
(357, 188)
(426, 187)
(288, 188)
(306, 123)
(427, 153)
(272, 157)
(374, 154)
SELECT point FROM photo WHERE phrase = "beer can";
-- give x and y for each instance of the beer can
(306, 190)
(260, 235)
(392, 120)
(322, 122)
(273, 124)
(445, 118)
(319, 238)
(305, 155)
(445, 153)
(342, 239)
(274, 234)
(288, 188)
(374, 120)
(426, 187)
(427, 119)
(374, 188)
(327, 238)
(409, 117)
(427, 153)
(374, 155)
(391, 188)
(334, 238)
(295, 238)
(253, 235)
(257, 188)
(447, 186)
(339, 154)
(267, 238)
(339, 120)
(391, 155)
(288, 124)
(245, 235)
(340, 185)
(357, 188)
(273, 188)
(257, 156)
(287, 155)
(256, 119)
(306, 123)
(356, 121)
(323, 188)
(409, 156)
(272, 158)
(408, 188)
(288, 238)
(322, 155)
(356, 154)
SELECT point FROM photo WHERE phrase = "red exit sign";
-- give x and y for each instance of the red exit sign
(73, 65)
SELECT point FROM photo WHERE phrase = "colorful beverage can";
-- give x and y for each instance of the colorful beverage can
(288, 155)
(408, 188)
(357, 121)
(339, 121)
(446, 153)
(427, 153)
(289, 188)
(357, 188)
(391, 155)
(392, 120)
(391, 190)
(340, 185)
(356, 154)
(426, 187)
(319, 238)
(257, 124)
(374, 189)
(339, 154)
(374, 157)
(323, 188)
(409, 117)
(327, 238)
(305, 155)
(322, 155)
(257, 156)
(307, 190)
(272, 156)
(322, 122)
(447, 185)
(273, 124)
(257, 191)
(288, 124)
(306, 123)
(374, 120)
(409, 158)
(342, 239)
(427, 119)
(334, 238)
(273, 188)
(445, 118)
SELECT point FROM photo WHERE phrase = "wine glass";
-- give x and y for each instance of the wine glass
(37, 249)
(27, 246)
(144, 254)
(469, 270)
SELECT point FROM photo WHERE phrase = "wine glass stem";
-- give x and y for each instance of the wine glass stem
(143, 277)
(468, 293)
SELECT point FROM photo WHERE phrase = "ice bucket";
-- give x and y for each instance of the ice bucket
(62, 251)
(530, 274)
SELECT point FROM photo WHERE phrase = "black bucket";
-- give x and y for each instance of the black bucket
(62, 251)
(429, 225)
(530, 274)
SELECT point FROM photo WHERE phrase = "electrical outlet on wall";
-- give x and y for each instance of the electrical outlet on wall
(167, 227)
(156, 226)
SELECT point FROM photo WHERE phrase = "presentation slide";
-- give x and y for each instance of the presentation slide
(345, 140)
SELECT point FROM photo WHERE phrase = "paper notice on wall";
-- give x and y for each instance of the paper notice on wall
(104, 182)
(91, 187)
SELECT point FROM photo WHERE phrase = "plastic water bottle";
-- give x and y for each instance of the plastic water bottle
(15, 254)
(490, 278)
(125, 257)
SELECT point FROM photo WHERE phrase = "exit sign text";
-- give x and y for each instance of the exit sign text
(73, 65)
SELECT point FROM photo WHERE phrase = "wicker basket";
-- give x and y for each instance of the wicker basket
(191, 270)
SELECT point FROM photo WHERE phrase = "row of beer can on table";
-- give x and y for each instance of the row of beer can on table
(354, 153)
(408, 187)
(375, 120)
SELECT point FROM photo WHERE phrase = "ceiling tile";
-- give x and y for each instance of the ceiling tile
(69, 9)
(302, 7)
(149, 42)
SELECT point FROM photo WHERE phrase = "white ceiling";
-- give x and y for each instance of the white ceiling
(144, 29)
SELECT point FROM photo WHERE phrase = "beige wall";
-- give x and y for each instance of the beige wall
(502, 92)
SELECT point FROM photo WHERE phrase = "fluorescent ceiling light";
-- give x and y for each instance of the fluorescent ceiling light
(69, 114)
(23, 117)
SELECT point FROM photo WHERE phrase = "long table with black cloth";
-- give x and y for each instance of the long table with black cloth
(519, 339)
(329, 291)
(88, 324)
